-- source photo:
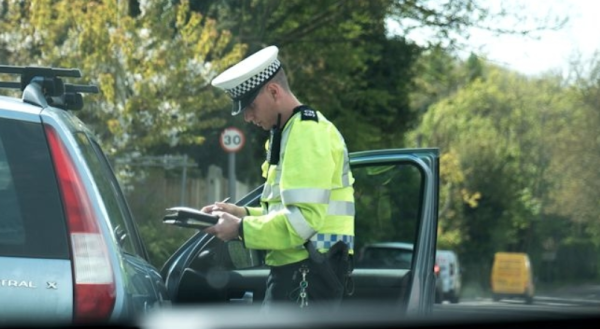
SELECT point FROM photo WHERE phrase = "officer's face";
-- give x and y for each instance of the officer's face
(261, 111)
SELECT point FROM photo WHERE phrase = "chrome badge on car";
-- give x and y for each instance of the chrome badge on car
(17, 284)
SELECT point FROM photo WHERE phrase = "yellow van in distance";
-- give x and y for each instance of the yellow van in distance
(512, 276)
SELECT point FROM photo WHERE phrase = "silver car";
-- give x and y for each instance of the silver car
(69, 248)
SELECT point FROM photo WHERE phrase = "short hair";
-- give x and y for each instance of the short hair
(280, 78)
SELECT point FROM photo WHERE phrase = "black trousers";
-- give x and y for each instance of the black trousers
(283, 284)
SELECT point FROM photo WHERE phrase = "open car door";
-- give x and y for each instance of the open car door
(396, 198)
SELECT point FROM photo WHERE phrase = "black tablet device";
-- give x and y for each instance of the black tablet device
(189, 217)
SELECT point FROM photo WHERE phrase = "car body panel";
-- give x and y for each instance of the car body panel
(34, 251)
(17, 109)
(36, 289)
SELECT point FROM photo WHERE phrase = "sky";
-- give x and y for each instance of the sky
(550, 50)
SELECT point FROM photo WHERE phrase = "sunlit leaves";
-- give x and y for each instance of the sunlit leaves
(153, 70)
(498, 139)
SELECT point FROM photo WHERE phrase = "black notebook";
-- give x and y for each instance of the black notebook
(189, 217)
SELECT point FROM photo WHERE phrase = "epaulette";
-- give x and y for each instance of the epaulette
(306, 113)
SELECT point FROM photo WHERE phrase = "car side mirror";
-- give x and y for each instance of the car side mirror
(241, 257)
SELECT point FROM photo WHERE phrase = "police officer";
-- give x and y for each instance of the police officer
(306, 219)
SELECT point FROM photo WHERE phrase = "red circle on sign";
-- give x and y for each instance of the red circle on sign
(232, 139)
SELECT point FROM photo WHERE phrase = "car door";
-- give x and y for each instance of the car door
(396, 193)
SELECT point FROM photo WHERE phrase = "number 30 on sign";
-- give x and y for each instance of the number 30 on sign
(232, 139)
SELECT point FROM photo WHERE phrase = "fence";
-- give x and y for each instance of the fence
(163, 187)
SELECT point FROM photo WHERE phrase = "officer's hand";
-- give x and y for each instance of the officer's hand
(227, 228)
(229, 208)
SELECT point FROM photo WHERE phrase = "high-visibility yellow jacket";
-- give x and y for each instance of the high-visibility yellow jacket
(308, 195)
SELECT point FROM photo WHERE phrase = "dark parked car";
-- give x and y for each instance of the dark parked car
(386, 255)
(70, 249)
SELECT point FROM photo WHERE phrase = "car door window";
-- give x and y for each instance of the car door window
(114, 201)
(385, 257)
(11, 226)
(388, 203)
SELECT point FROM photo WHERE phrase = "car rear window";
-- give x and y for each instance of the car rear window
(393, 258)
(31, 218)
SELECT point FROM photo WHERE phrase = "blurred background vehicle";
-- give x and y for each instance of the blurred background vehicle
(512, 277)
(386, 255)
(449, 282)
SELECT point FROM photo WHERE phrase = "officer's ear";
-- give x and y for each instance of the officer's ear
(273, 90)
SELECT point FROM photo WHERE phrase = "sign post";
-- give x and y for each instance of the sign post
(232, 140)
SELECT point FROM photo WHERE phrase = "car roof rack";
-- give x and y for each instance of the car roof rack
(43, 86)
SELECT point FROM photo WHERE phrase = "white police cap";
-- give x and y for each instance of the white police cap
(243, 80)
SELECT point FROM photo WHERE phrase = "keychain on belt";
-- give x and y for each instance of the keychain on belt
(303, 285)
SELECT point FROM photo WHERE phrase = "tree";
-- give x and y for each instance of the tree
(496, 142)
(342, 59)
(150, 94)
(338, 58)
(577, 141)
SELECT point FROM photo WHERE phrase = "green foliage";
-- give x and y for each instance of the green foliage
(439, 76)
(387, 203)
(150, 95)
(338, 58)
(515, 164)
(577, 142)
(146, 198)
(488, 127)
(162, 242)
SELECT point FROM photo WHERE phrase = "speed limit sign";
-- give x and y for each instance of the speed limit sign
(232, 140)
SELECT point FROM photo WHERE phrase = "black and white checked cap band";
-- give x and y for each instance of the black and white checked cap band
(255, 81)
(243, 81)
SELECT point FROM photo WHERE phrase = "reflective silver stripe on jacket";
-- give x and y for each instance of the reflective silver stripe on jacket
(306, 195)
(270, 192)
(296, 219)
(298, 222)
(335, 208)
(346, 168)
(341, 208)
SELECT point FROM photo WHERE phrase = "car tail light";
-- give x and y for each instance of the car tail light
(436, 269)
(94, 282)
